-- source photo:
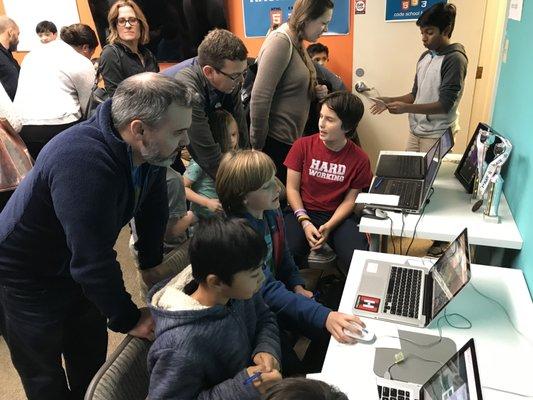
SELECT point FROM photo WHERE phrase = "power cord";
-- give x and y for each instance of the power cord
(432, 190)
(505, 312)
(399, 357)
(401, 232)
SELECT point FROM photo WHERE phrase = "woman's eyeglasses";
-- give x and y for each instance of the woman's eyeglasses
(132, 21)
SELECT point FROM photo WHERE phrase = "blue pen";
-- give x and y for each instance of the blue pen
(252, 378)
(378, 182)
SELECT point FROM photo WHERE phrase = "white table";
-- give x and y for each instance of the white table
(447, 214)
(504, 357)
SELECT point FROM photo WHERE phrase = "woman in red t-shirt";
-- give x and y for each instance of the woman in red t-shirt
(325, 173)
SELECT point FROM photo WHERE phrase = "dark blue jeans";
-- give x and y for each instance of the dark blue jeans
(40, 326)
(344, 239)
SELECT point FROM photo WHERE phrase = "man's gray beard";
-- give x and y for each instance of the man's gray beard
(151, 155)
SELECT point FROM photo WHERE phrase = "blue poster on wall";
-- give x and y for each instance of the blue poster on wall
(407, 10)
(261, 15)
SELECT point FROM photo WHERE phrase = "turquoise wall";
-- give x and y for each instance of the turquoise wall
(513, 118)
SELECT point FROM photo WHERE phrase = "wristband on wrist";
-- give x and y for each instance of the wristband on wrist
(303, 218)
(306, 223)
(300, 212)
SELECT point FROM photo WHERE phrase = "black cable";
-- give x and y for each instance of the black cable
(419, 218)
(401, 232)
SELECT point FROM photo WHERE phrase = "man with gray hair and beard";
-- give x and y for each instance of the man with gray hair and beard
(9, 67)
(59, 277)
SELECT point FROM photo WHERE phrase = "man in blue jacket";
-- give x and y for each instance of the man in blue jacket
(59, 276)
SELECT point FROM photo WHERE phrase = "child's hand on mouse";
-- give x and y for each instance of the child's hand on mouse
(337, 322)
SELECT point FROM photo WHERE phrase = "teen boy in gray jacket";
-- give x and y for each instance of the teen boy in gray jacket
(439, 82)
(213, 330)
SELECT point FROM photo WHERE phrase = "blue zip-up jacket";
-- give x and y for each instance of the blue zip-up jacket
(202, 352)
(292, 309)
(59, 227)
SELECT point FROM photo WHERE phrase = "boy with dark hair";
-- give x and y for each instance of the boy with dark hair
(47, 31)
(325, 173)
(318, 52)
(440, 73)
(302, 388)
(213, 330)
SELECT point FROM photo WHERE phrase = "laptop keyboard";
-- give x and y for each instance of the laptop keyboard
(403, 293)
(409, 192)
(386, 393)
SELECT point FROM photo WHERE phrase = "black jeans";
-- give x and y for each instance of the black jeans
(344, 239)
(278, 152)
(41, 325)
(36, 136)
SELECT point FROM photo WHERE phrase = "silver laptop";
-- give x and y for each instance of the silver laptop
(413, 295)
(457, 379)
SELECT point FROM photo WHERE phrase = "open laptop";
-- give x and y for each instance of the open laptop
(457, 379)
(413, 295)
(412, 192)
(411, 166)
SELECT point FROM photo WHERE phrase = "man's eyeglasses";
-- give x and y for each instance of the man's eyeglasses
(233, 77)
(131, 20)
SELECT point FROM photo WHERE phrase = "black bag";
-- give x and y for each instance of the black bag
(246, 89)
(98, 96)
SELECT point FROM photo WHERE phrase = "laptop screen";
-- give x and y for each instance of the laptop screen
(450, 273)
(432, 159)
(458, 379)
(446, 142)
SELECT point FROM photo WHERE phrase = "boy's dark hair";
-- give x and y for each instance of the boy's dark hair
(219, 45)
(316, 48)
(45, 26)
(348, 107)
(223, 247)
(441, 15)
(79, 35)
(301, 388)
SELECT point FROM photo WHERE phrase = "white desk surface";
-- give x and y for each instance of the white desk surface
(504, 357)
(448, 213)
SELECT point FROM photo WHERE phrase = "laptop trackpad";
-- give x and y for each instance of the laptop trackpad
(413, 369)
(375, 277)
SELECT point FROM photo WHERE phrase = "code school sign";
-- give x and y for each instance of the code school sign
(407, 10)
(261, 15)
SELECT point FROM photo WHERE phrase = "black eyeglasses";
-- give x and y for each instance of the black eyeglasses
(233, 77)
(131, 20)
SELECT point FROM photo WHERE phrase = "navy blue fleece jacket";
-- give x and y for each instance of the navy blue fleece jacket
(202, 352)
(60, 225)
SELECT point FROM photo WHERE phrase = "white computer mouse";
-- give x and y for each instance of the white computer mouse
(366, 336)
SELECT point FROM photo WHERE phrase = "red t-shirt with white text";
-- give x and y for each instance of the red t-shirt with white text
(327, 175)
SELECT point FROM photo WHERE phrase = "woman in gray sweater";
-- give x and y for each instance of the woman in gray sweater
(286, 81)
